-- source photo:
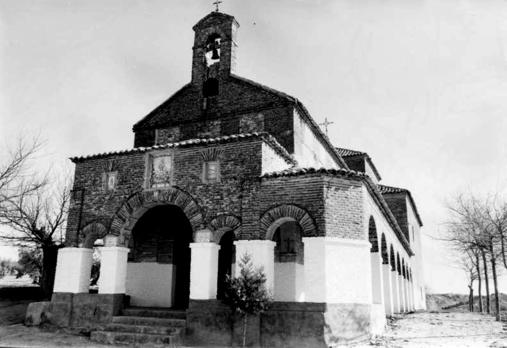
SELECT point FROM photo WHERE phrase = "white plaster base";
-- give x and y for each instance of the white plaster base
(113, 270)
(150, 284)
(378, 320)
(401, 292)
(388, 293)
(396, 293)
(289, 282)
(73, 270)
(262, 255)
(337, 270)
(204, 271)
(376, 278)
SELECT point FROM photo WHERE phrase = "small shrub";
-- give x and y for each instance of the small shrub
(247, 294)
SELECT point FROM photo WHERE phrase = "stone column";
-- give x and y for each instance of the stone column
(396, 292)
(73, 270)
(376, 278)
(262, 254)
(388, 291)
(113, 269)
(204, 271)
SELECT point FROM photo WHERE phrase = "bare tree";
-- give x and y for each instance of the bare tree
(37, 220)
(474, 227)
(15, 179)
(32, 214)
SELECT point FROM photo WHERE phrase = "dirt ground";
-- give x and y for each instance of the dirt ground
(411, 331)
(460, 330)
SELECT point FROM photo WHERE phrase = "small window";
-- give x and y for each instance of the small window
(109, 181)
(211, 171)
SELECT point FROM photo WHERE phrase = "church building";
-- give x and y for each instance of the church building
(226, 167)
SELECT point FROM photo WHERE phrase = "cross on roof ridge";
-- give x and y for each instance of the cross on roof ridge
(217, 3)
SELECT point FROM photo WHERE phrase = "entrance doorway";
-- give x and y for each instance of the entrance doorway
(158, 272)
(226, 259)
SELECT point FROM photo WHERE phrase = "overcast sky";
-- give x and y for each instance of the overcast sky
(419, 85)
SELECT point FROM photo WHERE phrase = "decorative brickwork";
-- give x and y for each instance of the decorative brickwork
(224, 223)
(276, 216)
(139, 203)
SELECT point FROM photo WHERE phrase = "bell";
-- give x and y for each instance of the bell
(215, 54)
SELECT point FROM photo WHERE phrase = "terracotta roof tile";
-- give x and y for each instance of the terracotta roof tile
(268, 138)
(349, 153)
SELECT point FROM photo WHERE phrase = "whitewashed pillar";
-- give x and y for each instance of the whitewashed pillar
(376, 278)
(396, 292)
(262, 254)
(337, 270)
(388, 291)
(401, 291)
(204, 271)
(113, 269)
(411, 294)
(73, 270)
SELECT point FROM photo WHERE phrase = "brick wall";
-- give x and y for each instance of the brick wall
(240, 167)
(344, 208)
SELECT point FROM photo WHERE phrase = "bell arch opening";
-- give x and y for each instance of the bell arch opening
(158, 270)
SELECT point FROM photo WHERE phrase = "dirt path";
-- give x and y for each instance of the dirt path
(444, 330)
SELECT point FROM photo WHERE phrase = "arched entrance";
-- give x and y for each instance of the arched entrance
(226, 260)
(158, 272)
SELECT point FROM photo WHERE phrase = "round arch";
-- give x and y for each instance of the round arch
(372, 235)
(91, 232)
(276, 216)
(139, 203)
(383, 250)
(222, 224)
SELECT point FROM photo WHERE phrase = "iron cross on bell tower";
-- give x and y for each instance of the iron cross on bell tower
(216, 3)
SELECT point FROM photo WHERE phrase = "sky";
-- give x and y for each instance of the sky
(421, 85)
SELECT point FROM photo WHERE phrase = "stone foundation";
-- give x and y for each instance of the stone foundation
(285, 324)
(84, 311)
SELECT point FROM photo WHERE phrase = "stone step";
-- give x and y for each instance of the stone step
(143, 329)
(109, 337)
(155, 313)
(149, 321)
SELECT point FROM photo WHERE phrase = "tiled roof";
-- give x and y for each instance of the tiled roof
(268, 138)
(353, 153)
(391, 189)
(349, 153)
(372, 187)
(386, 190)
(303, 171)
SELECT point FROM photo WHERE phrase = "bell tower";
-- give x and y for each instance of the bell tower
(214, 51)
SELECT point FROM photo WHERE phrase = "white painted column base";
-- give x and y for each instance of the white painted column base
(204, 271)
(376, 278)
(396, 292)
(401, 291)
(337, 270)
(262, 254)
(113, 270)
(73, 270)
(388, 292)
